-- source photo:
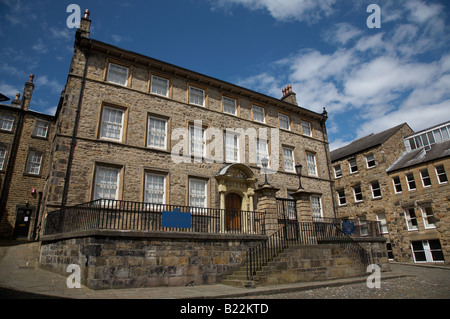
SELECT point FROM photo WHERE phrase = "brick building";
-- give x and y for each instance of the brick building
(373, 176)
(24, 159)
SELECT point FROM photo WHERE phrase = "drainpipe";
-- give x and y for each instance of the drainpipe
(324, 133)
(86, 53)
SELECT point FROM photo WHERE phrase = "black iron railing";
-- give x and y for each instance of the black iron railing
(361, 227)
(126, 215)
(303, 233)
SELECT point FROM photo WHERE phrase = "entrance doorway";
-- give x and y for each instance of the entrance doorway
(233, 205)
(23, 220)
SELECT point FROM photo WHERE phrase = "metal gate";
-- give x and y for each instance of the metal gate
(287, 216)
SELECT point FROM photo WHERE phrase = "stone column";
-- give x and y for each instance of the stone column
(221, 190)
(267, 202)
(304, 210)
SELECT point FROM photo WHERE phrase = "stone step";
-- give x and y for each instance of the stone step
(239, 283)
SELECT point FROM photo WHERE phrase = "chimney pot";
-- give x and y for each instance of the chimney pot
(31, 79)
(87, 13)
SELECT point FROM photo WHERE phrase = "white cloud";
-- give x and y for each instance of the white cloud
(53, 85)
(8, 90)
(286, 10)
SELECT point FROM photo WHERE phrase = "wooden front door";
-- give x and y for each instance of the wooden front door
(233, 204)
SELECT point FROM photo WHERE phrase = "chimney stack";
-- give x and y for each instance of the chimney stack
(85, 24)
(289, 96)
(28, 92)
(16, 102)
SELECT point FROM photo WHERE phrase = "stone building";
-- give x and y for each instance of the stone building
(373, 176)
(137, 129)
(24, 159)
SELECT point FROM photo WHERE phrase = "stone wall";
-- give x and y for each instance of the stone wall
(125, 260)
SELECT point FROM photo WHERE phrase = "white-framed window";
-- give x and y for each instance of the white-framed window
(376, 190)
(41, 129)
(2, 157)
(6, 122)
(316, 204)
(118, 74)
(232, 154)
(357, 193)
(155, 188)
(157, 132)
(426, 180)
(370, 161)
(397, 184)
(441, 175)
(363, 226)
(34, 162)
(288, 158)
(381, 217)
(353, 165)
(112, 124)
(428, 217)
(197, 141)
(262, 150)
(106, 183)
(160, 86)
(411, 220)
(259, 114)
(410, 181)
(306, 128)
(284, 121)
(427, 251)
(341, 196)
(229, 105)
(337, 171)
(196, 96)
(311, 163)
(198, 192)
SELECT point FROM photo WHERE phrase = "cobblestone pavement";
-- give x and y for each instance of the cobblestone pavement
(424, 283)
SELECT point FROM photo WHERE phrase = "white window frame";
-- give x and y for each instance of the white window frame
(409, 219)
(438, 175)
(262, 152)
(342, 200)
(374, 189)
(204, 196)
(193, 143)
(381, 217)
(316, 206)
(369, 159)
(395, 185)
(425, 177)
(336, 170)
(114, 74)
(104, 123)
(195, 95)
(160, 193)
(3, 152)
(41, 129)
(259, 111)
(228, 102)
(98, 185)
(306, 128)
(232, 149)
(6, 122)
(350, 161)
(157, 86)
(426, 249)
(151, 132)
(34, 162)
(425, 215)
(311, 164)
(288, 159)
(363, 226)
(285, 119)
(413, 181)
(360, 192)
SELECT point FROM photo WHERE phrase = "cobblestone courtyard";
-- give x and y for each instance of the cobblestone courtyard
(424, 283)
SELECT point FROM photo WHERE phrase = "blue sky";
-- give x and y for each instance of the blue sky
(368, 79)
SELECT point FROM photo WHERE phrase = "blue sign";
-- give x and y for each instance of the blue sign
(176, 219)
(348, 227)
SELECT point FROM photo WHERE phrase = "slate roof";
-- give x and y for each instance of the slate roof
(364, 143)
(420, 156)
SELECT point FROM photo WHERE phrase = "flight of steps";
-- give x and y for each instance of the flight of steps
(301, 263)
